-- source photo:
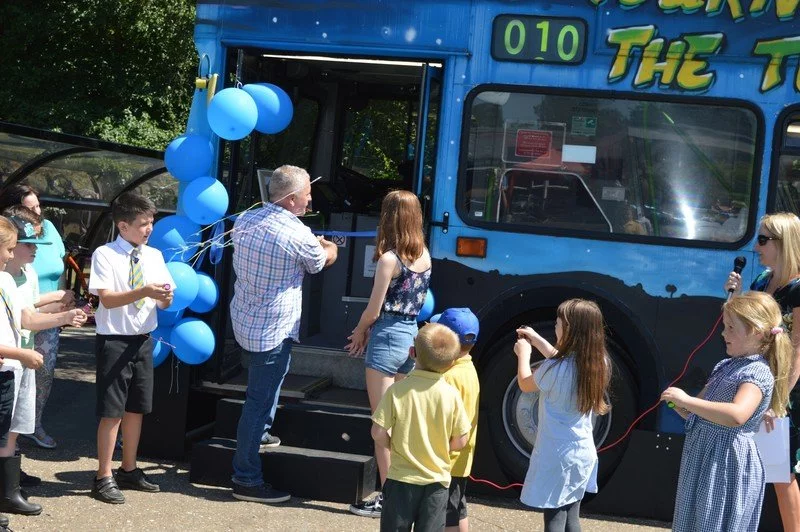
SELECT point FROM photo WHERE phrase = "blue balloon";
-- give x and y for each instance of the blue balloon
(188, 157)
(232, 114)
(177, 237)
(205, 200)
(161, 349)
(168, 318)
(207, 294)
(186, 285)
(275, 108)
(192, 340)
(427, 307)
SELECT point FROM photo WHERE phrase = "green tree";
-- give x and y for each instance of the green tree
(120, 70)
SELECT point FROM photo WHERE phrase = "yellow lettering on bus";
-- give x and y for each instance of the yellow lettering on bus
(687, 6)
(630, 4)
(778, 51)
(627, 39)
(784, 9)
(714, 7)
(650, 65)
(691, 75)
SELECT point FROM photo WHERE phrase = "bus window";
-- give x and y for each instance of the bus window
(652, 169)
(788, 198)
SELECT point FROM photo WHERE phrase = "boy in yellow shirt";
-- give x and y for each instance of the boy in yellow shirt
(463, 377)
(427, 421)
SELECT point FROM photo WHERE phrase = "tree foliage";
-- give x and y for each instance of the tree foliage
(120, 70)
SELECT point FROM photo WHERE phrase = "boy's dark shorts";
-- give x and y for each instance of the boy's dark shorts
(456, 501)
(6, 404)
(124, 374)
(406, 504)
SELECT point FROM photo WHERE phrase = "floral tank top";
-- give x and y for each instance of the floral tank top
(407, 291)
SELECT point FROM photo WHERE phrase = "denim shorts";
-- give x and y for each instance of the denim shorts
(389, 341)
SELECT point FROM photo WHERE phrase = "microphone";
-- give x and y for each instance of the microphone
(738, 265)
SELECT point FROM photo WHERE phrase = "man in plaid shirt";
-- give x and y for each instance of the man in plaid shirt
(272, 252)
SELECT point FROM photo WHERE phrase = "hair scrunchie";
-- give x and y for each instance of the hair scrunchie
(776, 330)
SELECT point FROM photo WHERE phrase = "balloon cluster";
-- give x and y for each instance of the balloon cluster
(232, 114)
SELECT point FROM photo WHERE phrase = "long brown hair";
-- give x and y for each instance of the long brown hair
(759, 312)
(583, 336)
(400, 228)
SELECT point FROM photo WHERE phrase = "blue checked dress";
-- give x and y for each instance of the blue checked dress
(721, 482)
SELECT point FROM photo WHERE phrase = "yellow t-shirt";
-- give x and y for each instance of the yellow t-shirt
(423, 413)
(463, 377)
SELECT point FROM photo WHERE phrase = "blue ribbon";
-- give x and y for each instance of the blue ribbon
(217, 244)
(353, 234)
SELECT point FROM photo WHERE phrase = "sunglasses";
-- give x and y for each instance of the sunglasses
(763, 239)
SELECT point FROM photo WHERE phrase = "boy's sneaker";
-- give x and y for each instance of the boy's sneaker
(42, 439)
(268, 440)
(368, 508)
(263, 493)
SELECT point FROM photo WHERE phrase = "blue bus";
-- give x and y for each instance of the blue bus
(616, 150)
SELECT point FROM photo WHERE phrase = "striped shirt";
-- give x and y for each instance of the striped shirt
(272, 251)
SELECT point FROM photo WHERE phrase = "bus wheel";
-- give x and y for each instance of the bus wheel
(513, 416)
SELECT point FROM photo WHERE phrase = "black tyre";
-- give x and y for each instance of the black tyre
(513, 415)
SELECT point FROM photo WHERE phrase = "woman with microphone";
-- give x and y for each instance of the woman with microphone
(778, 248)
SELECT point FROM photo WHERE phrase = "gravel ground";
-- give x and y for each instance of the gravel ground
(67, 471)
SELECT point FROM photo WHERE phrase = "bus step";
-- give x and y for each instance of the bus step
(311, 426)
(349, 477)
(294, 386)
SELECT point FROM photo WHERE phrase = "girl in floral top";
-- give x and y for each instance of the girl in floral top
(389, 323)
(778, 248)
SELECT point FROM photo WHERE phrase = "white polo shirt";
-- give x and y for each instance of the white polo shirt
(8, 337)
(111, 265)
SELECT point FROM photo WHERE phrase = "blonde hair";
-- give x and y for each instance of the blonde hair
(759, 312)
(436, 347)
(400, 227)
(785, 226)
(8, 231)
(584, 337)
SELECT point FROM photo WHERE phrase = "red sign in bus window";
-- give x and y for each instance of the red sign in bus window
(534, 143)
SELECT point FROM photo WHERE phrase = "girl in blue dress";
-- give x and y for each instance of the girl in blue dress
(572, 384)
(721, 482)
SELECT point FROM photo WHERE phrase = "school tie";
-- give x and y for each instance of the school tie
(135, 278)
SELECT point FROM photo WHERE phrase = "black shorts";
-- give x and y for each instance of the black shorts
(456, 501)
(406, 504)
(124, 375)
(6, 404)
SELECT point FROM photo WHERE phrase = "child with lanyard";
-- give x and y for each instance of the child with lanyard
(572, 384)
(389, 323)
(26, 297)
(12, 356)
(721, 481)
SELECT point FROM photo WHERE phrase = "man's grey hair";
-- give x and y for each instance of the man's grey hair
(287, 180)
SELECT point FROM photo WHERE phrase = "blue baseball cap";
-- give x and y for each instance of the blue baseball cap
(26, 233)
(462, 322)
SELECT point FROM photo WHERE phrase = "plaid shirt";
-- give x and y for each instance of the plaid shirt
(272, 251)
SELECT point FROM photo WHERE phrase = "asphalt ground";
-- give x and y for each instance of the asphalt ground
(67, 471)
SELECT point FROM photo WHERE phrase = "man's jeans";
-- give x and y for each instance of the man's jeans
(267, 370)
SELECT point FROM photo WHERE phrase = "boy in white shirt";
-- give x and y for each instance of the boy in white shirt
(131, 280)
